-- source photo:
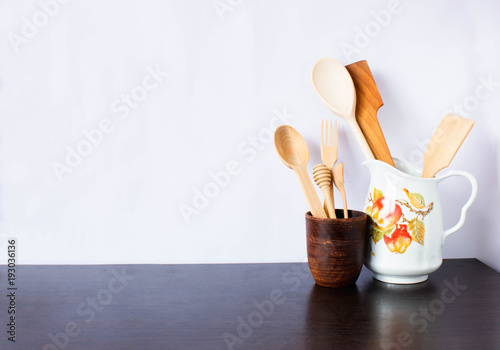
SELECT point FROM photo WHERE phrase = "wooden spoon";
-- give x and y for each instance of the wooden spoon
(336, 89)
(368, 101)
(338, 180)
(293, 151)
(445, 142)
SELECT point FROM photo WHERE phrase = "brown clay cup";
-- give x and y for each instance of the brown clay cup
(335, 248)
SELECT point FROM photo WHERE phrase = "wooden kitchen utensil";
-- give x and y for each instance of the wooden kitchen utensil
(323, 178)
(294, 153)
(329, 145)
(335, 88)
(445, 143)
(329, 151)
(368, 101)
(338, 180)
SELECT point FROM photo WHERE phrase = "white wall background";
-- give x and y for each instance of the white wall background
(230, 74)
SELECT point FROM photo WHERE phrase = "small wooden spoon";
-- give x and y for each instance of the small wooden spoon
(338, 180)
(336, 89)
(293, 151)
(445, 142)
(368, 101)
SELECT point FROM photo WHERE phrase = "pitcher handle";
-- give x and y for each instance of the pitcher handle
(473, 194)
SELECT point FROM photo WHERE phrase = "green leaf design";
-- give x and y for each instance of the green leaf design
(377, 194)
(417, 230)
(368, 210)
(419, 201)
(416, 199)
(378, 234)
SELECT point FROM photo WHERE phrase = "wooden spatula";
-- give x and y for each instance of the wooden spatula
(445, 143)
(368, 102)
(338, 180)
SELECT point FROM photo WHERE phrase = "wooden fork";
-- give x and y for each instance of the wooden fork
(329, 150)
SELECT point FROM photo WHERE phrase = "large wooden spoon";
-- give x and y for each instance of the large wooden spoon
(368, 101)
(335, 88)
(293, 151)
(445, 142)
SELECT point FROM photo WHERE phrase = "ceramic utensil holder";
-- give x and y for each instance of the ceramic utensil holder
(406, 231)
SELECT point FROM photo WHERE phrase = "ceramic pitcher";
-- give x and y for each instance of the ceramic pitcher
(406, 230)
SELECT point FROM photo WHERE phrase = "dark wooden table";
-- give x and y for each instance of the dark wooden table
(248, 306)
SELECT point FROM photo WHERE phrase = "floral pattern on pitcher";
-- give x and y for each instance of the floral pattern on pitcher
(390, 223)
